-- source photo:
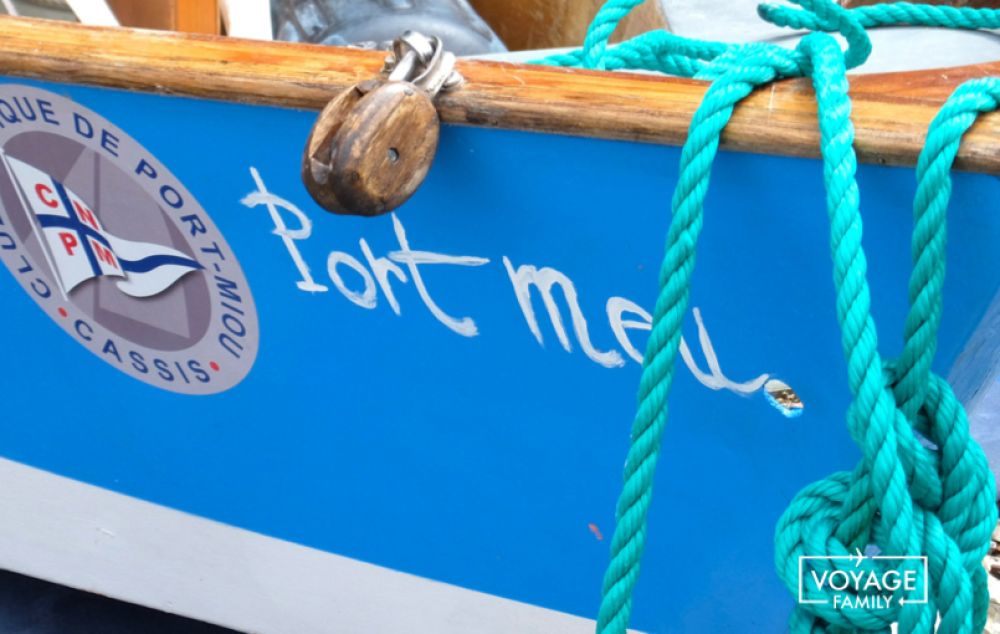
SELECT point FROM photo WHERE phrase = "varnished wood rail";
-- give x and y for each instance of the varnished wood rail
(891, 112)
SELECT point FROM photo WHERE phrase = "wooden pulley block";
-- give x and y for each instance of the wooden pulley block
(372, 145)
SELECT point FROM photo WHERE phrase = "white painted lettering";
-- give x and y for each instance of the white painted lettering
(464, 326)
(544, 280)
(288, 236)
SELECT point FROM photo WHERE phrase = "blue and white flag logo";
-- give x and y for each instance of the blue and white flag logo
(78, 248)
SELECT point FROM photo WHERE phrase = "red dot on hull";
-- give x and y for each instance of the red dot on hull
(214, 366)
(63, 313)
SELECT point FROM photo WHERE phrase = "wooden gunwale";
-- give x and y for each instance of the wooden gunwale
(891, 111)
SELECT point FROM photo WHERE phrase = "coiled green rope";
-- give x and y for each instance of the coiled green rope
(950, 489)
(923, 488)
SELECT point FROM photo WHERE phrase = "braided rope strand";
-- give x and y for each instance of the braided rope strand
(968, 512)
(661, 351)
(872, 411)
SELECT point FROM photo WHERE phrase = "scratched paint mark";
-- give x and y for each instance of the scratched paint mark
(783, 398)
(596, 531)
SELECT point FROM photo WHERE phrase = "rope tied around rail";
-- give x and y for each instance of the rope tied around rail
(923, 488)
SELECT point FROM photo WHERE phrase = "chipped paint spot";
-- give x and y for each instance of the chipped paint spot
(783, 398)
(596, 531)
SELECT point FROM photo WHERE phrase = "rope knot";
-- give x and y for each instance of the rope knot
(933, 528)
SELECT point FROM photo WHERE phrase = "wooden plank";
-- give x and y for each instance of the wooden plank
(147, 15)
(189, 16)
(198, 16)
(891, 112)
(532, 24)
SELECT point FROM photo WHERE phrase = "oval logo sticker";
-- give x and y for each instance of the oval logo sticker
(116, 251)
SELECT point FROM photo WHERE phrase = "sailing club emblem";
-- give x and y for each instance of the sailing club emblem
(116, 250)
(78, 248)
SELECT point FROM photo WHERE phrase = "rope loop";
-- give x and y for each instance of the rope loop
(832, 17)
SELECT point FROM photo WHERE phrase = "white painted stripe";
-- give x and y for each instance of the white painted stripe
(86, 537)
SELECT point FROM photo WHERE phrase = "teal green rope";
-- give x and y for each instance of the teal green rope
(675, 274)
(657, 50)
(951, 529)
(750, 66)
(968, 509)
(889, 14)
(923, 487)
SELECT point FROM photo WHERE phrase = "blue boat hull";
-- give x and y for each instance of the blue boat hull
(413, 402)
